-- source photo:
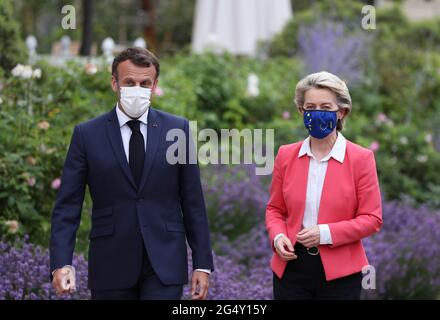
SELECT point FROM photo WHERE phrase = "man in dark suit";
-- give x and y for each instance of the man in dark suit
(144, 207)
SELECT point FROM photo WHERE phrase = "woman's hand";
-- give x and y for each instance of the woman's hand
(309, 237)
(284, 248)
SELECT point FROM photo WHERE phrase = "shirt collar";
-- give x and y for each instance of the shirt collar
(123, 118)
(337, 152)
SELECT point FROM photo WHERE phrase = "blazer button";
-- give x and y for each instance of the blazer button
(140, 199)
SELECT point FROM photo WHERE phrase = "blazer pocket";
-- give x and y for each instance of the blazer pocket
(175, 227)
(102, 213)
(101, 231)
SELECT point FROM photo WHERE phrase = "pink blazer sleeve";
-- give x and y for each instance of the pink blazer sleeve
(368, 217)
(276, 212)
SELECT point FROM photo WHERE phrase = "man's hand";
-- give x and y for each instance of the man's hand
(309, 237)
(285, 249)
(64, 280)
(199, 285)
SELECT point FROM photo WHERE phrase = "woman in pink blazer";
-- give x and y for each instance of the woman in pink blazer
(324, 199)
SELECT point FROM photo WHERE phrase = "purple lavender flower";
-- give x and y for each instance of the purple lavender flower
(235, 281)
(406, 253)
(24, 273)
(236, 199)
(328, 46)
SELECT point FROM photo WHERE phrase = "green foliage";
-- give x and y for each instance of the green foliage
(212, 89)
(406, 157)
(396, 108)
(37, 119)
(12, 49)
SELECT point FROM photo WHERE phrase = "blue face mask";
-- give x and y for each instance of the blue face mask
(320, 123)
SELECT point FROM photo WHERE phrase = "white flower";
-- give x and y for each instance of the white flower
(252, 85)
(422, 158)
(90, 68)
(43, 125)
(404, 140)
(1, 100)
(18, 69)
(43, 148)
(428, 138)
(12, 225)
(37, 73)
(26, 72)
(22, 71)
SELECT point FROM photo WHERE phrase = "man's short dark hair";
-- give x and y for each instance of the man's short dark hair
(138, 56)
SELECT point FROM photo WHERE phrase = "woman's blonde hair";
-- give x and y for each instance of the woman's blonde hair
(325, 80)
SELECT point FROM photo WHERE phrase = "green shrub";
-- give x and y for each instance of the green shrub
(37, 116)
(12, 49)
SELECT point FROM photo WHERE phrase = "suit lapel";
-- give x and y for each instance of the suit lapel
(154, 130)
(114, 134)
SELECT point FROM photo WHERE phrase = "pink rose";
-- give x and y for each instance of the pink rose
(31, 181)
(56, 184)
(158, 91)
(374, 146)
(383, 119)
(12, 226)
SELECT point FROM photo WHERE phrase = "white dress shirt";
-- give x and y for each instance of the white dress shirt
(126, 131)
(126, 135)
(315, 183)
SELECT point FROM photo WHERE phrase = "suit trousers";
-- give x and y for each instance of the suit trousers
(304, 278)
(148, 287)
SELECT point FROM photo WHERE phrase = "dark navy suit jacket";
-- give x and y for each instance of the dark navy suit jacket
(166, 210)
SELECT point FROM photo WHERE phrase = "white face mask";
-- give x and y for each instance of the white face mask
(135, 100)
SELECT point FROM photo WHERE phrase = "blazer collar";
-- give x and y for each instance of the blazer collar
(337, 152)
(123, 118)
